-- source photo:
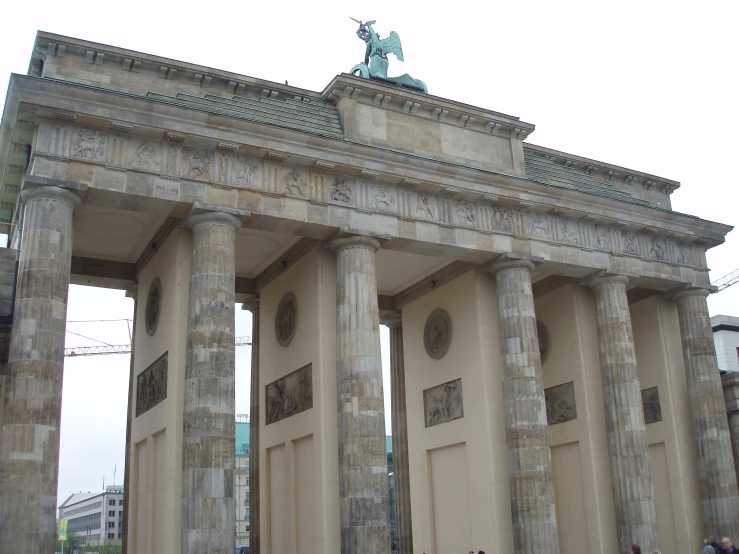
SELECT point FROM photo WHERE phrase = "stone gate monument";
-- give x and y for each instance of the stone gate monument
(554, 383)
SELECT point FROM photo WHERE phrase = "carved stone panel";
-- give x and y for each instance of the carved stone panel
(443, 403)
(151, 385)
(560, 402)
(650, 403)
(286, 320)
(290, 395)
(89, 144)
(437, 335)
(153, 306)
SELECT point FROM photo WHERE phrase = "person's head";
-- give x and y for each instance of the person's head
(727, 543)
(636, 549)
(707, 541)
(481, 552)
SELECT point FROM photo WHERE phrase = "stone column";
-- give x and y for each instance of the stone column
(529, 458)
(29, 459)
(718, 481)
(363, 480)
(133, 292)
(254, 490)
(208, 443)
(628, 447)
(403, 528)
(730, 383)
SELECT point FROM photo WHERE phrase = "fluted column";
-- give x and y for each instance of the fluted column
(133, 292)
(529, 458)
(628, 447)
(254, 491)
(718, 481)
(363, 480)
(403, 527)
(730, 383)
(208, 443)
(29, 453)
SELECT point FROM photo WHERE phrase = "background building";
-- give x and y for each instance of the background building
(96, 517)
(726, 338)
(241, 483)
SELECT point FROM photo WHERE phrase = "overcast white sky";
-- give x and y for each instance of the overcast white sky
(649, 85)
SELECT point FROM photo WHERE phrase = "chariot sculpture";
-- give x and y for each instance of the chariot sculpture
(375, 57)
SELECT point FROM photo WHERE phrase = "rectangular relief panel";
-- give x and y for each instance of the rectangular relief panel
(663, 498)
(560, 403)
(161, 501)
(305, 495)
(651, 405)
(290, 395)
(278, 510)
(151, 385)
(443, 403)
(450, 498)
(140, 513)
(569, 497)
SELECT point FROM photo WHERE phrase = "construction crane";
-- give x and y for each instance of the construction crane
(76, 351)
(726, 281)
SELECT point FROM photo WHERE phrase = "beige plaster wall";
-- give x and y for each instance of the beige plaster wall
(671, 446)
(155, 504)
(458, 470)
(582, 479)
(380, 126)
(299, 454)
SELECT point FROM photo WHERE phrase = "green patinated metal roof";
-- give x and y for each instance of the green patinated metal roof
(242, 438)
(546, 171)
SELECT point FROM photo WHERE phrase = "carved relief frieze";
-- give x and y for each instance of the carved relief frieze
(296, 183)
(443, 403)
(385, 198)
(408, 199)
(246, 172)
(341, 190)
(197, 164)
(89, 144)
(146, 156)
(560, 401)
(651, 405)
(286, 319)
(153, 306)
(290, 395)
(151, 385)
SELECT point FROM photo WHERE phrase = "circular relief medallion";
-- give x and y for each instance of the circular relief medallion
(287, 319)
(543, 334)
(437, 334)
(153, 306)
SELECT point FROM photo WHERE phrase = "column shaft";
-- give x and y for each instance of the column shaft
(529, 458)
(730, 383)
(29, 459)
(401, 474)
(208, 455)
(363, 480)
(254, 487)
(718, 481)
(628, 447)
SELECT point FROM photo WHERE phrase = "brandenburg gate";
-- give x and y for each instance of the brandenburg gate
(554, 380)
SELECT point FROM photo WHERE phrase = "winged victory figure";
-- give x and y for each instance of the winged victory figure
(375, 56)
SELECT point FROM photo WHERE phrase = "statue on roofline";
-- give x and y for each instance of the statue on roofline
(375, 57)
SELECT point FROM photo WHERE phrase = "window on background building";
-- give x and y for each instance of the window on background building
(111, 535)
(111, 513)
(120, 502)
(120, 535)
(111, 502)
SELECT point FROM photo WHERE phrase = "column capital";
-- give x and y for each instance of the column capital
(52, 193)
(603, 278)
(689, 292)
(510, 263)
(210, 214)
(348, 241)
(251, 305)
(393, 319)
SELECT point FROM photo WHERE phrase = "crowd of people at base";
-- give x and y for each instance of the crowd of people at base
(710, 546)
